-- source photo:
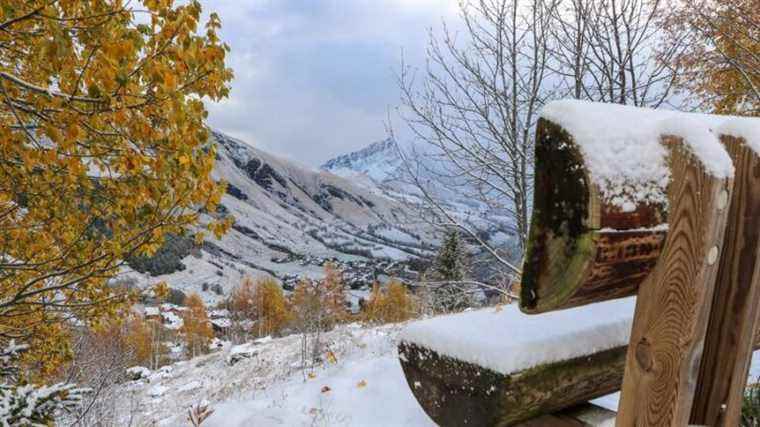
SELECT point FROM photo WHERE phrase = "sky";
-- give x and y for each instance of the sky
(317, 78)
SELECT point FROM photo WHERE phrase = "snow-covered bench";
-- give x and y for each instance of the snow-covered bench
(627, 202)
(491, 366)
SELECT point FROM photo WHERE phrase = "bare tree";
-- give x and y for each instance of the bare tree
(100, 363)
(475, 108)
(614, 51)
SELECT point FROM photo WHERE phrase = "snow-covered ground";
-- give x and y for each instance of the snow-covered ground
(365, 386)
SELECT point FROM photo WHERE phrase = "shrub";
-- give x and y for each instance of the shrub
(26, 404)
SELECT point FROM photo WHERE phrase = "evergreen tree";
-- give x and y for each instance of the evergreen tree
(449, 269)
(450, 262)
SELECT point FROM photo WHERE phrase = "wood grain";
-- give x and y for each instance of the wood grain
(731, 328)
(673, 305)
(572, 257)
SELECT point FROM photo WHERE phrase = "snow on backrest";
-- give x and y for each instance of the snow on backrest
(508, 341)
(622, 149)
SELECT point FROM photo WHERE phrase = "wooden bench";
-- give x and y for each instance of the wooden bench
(627, 202)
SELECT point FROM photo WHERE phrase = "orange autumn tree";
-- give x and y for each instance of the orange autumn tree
(721, 62)
(317, 305)
(394, 304)
(271, 308)
(103, 150)
(262, 301)
(196, 328)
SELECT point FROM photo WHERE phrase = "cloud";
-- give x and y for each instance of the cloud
(314, 78)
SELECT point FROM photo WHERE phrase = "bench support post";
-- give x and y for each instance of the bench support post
(673, 304)
(731, 329)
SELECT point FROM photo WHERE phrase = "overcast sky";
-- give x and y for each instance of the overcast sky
(315, 78)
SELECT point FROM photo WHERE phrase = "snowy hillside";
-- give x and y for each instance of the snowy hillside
(363, 386)
(289, 220)
(262, 384)
(380, 168)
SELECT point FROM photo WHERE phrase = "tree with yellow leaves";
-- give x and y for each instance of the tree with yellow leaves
(196, 328)
(263, 302)
(103, 149)
(272, 311)
(721, 62)
(142, 339)
(394, 304)
(241, 302)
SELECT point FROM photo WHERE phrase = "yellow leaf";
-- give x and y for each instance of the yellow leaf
(199, 238)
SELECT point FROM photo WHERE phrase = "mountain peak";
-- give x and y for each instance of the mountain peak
(379, 160)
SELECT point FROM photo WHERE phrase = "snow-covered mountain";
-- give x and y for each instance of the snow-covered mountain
(379, 161)
(290, 220)
(380, 168)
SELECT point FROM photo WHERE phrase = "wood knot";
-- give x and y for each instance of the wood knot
(644, 355)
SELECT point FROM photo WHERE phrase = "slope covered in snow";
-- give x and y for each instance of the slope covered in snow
(380, 168)
(265, 386)
(289, 220)
(364, 386)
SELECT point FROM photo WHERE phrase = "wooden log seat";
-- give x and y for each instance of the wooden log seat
(600, 211)
(500, 366)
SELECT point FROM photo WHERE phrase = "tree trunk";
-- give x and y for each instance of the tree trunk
(581, 248)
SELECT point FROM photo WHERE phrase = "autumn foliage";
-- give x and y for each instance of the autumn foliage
(721, 62)
(390, 305)
(263, 302)
(196, 328)
(317, 305)
(103, 148)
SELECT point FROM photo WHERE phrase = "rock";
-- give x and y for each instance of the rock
(240, 352)
(136, 373)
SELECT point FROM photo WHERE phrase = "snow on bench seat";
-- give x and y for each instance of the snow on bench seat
(507, 341)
